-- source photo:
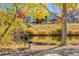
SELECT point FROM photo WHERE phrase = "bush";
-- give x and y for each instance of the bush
(53, 32)
(59, 31)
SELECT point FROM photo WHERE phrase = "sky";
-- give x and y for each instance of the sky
(52, 8)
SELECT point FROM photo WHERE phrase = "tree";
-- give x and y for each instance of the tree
(34, 10)
(64, 7)
(9, 24)
(68, 5)
(51, 13)
(64, 24)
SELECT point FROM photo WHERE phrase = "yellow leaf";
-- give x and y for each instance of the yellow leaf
(68, 5)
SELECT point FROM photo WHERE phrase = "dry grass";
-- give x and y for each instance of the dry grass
(14, 46)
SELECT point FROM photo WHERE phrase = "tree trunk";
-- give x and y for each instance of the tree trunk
(63, 41)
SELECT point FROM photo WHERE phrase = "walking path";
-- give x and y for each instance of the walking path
(41, 50)
(60, 51)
